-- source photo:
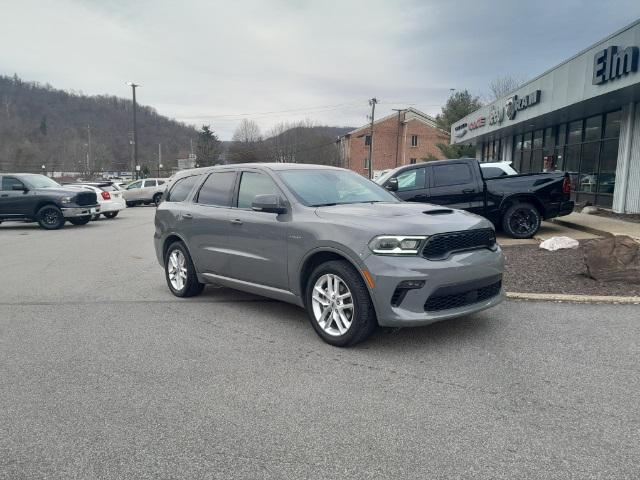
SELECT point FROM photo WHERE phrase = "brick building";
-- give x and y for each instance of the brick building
(398, 139)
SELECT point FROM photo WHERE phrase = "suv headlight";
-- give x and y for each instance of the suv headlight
(66, 199)
(396, 244)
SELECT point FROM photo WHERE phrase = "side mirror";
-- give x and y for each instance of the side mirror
(392, 184)
(19, 188)
(268, 203)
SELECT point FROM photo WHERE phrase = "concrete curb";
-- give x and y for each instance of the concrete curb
(582, 228)
(559, 297)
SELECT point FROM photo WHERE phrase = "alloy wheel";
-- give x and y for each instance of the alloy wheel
(177, 270)
(50, 216)
(332, 304)
(523, 221)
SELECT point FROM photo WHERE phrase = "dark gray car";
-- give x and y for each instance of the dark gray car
(330, 241)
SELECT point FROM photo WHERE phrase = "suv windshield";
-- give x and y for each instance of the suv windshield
(316, 188)
(40, 181)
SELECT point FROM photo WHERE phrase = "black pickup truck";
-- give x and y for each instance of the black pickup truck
(517, 203)
(32, 197)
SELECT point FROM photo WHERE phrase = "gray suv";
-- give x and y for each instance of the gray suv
(330, 241)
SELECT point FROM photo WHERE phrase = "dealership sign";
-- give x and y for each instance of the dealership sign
(496, 115)
(477, 123)
(460, 130)
(610, 64)
(515, 104)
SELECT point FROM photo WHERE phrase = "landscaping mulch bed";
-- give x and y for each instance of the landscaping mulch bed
(530, 269)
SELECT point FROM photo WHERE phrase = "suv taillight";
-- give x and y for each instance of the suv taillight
(566, 185)
(106, 196)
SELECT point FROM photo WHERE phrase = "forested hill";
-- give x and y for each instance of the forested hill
(40, 125)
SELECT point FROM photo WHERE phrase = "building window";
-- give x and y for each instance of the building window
(414, 140)
(367, 140)
(412, 161)
(366, 164)
(492, 151)
(586, 148)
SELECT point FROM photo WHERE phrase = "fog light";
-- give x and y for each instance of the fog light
(411, 284)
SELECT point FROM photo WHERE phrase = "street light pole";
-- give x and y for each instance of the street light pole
(135, 128)
(372, 102)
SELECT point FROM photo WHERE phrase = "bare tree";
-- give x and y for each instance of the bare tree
(247, 132)
(501, 85)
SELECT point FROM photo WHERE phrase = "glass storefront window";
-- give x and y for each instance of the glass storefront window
(612, 124)
(608, 161)
(518, 142)
(562, 134)
(575, 132)
(593, 128)
(525, 165)
(549, 138)
(589, 167)
(536, 160)
(526, 142)
(537, 139)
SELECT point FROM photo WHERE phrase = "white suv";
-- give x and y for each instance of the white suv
(145, 191)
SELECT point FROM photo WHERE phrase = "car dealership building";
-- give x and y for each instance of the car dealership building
(582, 116)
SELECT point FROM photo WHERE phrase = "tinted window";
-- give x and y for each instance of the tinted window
(453, 174)
(612, 124)
(216, 189)
(149, 183)
(160, 182)
(134, 185)
(181, 189)
(9, 182)
(109, 188)
(593, 128)
(492, 172)
(252, 184)
(412, 179)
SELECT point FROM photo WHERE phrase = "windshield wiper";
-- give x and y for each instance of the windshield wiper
(323, 204)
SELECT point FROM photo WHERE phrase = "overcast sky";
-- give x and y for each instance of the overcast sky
(215, 61)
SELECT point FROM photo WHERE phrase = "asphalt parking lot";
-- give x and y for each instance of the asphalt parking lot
(105, 374)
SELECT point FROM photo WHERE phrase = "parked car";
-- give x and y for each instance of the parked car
(33, 197)
(145, 191)
(517, 203)
(497, 169)
(110, 198)
(328, 240)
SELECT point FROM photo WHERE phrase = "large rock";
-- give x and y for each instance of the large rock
(613, 259)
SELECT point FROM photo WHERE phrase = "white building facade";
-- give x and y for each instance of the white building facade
(582, 116)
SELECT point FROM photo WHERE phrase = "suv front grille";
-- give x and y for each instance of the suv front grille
(457, 296)
(86, 198)
(441, 245)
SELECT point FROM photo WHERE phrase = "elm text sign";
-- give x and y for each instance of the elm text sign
(609, 64)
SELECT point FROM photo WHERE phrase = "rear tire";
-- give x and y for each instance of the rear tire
(157, 198)
(180, 273)
(111, 214)
(344, 317)
(80, 220)
(50, 217)
(521, 220)
(131, 204)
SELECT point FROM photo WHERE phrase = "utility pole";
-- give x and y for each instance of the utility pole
(372, 102)
(398, 133)
(135, 128)
(159, 158)
(88, 148)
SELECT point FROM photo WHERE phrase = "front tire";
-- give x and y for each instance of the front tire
(50, 217)
(180, 273)
(157, 198)
(110, 214)
(521, 220)
(338, 303)
(80, 220)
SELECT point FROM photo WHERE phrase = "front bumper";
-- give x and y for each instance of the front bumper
(478, 267)
(72, 212)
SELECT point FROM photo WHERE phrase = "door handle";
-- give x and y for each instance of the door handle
(468, 190)
(187, 215)
(236, 221)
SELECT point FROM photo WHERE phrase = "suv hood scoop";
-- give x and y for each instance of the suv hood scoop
(438, 211)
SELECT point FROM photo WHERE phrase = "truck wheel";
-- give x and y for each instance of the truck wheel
(131, 204)
(50, 217)
(521, 220)
(156, 198)
(180, 273)
(339, 305)
(111, 214)
(80, 220)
